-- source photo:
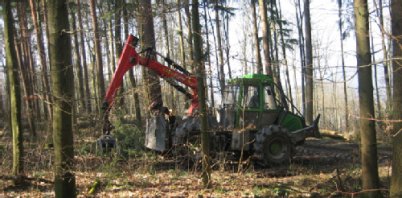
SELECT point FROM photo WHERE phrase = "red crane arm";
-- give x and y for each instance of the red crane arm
(129, 58)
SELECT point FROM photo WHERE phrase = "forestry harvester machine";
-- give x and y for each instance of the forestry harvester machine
(253, 118)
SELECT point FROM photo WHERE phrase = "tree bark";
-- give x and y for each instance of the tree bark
(386, 62)
(63, 91)
(396, 21)
(14, 90)
(27, 70)
(227, 43)
(181, 37)
(302, 53)
(279, 17)
(255, 38)
(377, 92)
(309, 65)
(199, 63)
(189, 34)
(42, 57)
(345, 92)
(78, 65)
(84, 60)
(146, 30)
(98, 53)
(265, 36)
(220, 50)
(370, 178)
(208, 53)
(131, 73)
(396, 179)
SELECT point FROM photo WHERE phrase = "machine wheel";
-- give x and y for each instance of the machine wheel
(273, 146)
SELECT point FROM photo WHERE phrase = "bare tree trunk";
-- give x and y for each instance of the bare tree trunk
(2, 107)
(131, 73)
(396, 20)
(190, 34)
(369, 176)
(265, 36)
(220, 50)
(345, 91)
(146, 29)
(227, 43)
(98, 53)
(377, 93)
(255, 37)
(309, 65)
(181, 37)
(63, 90)
(167, 45)
(198, 59)
(84, 59)
(279, 16)
(212, 98)
(42, 57)
(27, 70)
(396, 180)
(302, 52)
(78, 66)
(14, 90)
(216, 53)
(386, 62)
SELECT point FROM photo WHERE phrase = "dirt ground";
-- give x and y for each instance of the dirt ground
(321, 168)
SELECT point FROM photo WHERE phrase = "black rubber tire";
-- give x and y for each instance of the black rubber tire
(273, 146)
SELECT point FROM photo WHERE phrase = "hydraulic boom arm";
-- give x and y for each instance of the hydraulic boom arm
(129, 58)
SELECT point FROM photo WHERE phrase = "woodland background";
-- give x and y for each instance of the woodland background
(349, 75)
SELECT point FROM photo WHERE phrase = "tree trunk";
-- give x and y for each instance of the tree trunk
(14, 90)
(309, 65)
(227, 43)
(27, 70)
(370, 178)
(190, 34)
(265, 36)
(279, 17)
(386, 61)
(255, 37)
(377, 93)
(84, 60)
(98, 53)
(42, 57)
(302, 52)
(396, 179)
(131, 73)
(167, 45)
(220, 50)
(181, 37)
(2, 107)
(208, 53)
(396, 20)
(63, 91)
(146, 30)
(199, 63)
(345, 92)
(78, 66)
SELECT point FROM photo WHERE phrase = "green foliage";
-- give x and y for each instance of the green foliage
(130, 139)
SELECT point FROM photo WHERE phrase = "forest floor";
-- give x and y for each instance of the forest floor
(321, 168)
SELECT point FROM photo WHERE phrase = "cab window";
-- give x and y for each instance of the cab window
(251, 97)
(269, 98)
